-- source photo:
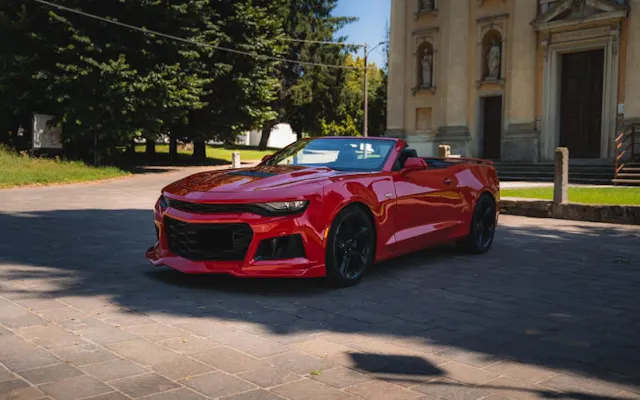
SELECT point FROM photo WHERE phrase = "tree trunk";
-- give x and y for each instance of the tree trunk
(199, 150)
(173, 148)
(131, 149)
(150, 149)
(266, 133)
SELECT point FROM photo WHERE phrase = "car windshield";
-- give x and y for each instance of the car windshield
(348, 154)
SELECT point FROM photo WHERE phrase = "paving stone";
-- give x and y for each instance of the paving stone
(128, 320)
(24, 320)
(9, 310)
(300, 362)
(18, 389)
(144, 385)
(253, 345)
(39, 304)
(229, 360)
(5, 332)
(217, 384)
(6, 375)
(447, 389)
(62, 315)
(178, 394)
(467, 374)
(142, 351)
(105, 334)
(310, 390)
(114, 369)
(189, 344)
(254, 395)
(515, 389)
(268, 376)
(22, 356)
(204, 328)
(84, 354)
(343, 338)
(156, 331)
(110, 396)
(476, 359)
(181, 367)
(77, 324)
(575, 384)
(376, 390)
(75, 388)
(455, 297)
(51, 336)
(51, 373)
(341, 377)
(322, 348)
(523, 372)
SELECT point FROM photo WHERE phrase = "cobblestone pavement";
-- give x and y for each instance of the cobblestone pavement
(553, 311)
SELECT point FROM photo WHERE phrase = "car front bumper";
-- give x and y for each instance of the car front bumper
(310, 264)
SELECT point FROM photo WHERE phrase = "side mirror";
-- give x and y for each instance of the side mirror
(414, 164)
(265, 158)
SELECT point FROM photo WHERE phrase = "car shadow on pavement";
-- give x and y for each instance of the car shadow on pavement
(564, 300)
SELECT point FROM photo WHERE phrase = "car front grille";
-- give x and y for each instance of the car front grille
(203, 208)
(208, 242)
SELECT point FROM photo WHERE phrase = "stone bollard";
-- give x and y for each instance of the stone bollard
(444, 150)
(235, 160)
(561, 176)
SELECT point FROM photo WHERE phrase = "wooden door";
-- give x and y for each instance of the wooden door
(581, 103)
(492, 129)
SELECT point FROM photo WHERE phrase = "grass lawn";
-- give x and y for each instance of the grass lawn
(217, 152)
(606, 195)
(17, 170)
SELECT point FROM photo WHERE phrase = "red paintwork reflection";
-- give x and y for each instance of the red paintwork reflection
(412, 209)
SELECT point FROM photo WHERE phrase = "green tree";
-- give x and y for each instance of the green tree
(243, 88)
(309, 93)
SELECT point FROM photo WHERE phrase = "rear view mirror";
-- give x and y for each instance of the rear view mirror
(414, 163)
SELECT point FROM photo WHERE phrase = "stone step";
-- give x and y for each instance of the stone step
(628, 182)
(626, 175)
(631, 169)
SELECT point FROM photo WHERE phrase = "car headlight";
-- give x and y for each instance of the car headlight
(285, 207)
(164, 203)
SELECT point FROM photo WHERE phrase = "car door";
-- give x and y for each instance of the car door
(428, 207)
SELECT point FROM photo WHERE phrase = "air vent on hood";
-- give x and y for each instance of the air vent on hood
(257, 174)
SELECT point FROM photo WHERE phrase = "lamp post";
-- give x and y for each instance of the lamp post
(365, 130)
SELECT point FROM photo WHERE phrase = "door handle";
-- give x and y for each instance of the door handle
(447, 181)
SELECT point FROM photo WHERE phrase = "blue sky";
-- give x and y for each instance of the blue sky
(373, 17)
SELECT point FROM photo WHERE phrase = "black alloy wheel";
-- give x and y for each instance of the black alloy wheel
(350, 247)
(483, 226)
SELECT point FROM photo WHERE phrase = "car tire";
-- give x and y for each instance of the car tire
(350, 247)
(482, 227)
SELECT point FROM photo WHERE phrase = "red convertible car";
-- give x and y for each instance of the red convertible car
(324, 207)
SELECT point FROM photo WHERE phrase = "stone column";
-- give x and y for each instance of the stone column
(632, 84)
(457, 64)
(521, 139)
(455, 131)
(397, 60)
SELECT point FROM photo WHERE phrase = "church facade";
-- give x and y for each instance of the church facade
(514, 79)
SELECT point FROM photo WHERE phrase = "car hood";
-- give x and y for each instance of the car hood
(249, 179)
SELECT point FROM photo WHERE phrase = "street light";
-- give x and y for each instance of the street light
(366, 86)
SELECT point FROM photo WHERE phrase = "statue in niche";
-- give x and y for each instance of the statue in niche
(427, 68)
(493, 61)
(426, 5)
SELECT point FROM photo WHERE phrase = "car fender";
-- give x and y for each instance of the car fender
(378, 205)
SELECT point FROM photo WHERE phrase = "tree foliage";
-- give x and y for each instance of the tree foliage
(107, 84)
